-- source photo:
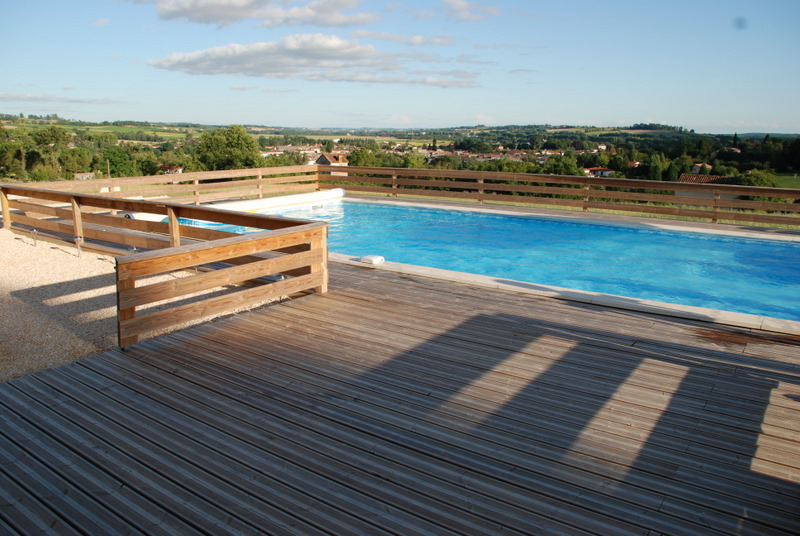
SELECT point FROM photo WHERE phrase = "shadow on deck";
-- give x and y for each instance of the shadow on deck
(403, 405)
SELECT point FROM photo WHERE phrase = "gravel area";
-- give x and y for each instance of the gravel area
(57, 305)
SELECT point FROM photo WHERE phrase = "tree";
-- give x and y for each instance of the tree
(562, 165)
(655, 166)
(12, 160)
(56, 137)
(414, 159)
(672, 173)
(77, 160)
(362, 157)
(118, 162)
(228, 148)
(447, 161)
(759, 178)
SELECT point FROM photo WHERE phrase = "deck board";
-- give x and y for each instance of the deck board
(402, 405)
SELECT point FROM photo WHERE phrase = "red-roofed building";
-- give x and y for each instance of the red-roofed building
(599, 171)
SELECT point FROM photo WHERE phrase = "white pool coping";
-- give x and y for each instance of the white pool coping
(715, 316)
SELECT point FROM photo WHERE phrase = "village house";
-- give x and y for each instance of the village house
(332, 159)
(698, 167)
(598, 171)
(695, 178)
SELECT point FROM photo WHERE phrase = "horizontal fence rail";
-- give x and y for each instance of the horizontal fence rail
(282, 256)
(199, 187)
(713, 202)
(243, 261)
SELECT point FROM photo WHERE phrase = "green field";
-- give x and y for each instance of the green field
(788, 180)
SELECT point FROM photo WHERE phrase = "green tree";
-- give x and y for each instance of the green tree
(52, 136)
(118, 162)
(77, 160)
(446, 161)
(12, 160)
(563, 165)
(655, 166)
(96, 141)
(146, 163)
(228, 148)
(672, 173)
(363, 157)
(759, 178)
(414, 159)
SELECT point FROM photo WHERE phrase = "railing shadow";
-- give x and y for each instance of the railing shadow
(82, 309)
(544, 412)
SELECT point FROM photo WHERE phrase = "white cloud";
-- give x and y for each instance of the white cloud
(29, 97)
(324, 13)
(271, 12)
(465, 11)
(401, 119)
(313, 57)
(409, 40)
(99, 23)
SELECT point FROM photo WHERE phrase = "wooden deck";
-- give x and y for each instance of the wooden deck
(402, 405)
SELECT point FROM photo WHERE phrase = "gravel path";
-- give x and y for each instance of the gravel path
(57, 306)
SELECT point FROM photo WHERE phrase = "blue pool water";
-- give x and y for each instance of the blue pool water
(744, 275)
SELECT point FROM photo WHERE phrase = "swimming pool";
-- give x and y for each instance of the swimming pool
(758, 277)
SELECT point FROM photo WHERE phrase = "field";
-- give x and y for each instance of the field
(788, 180)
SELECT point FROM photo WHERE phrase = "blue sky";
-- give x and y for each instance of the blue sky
(718, 66)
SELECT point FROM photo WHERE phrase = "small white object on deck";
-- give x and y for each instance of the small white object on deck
(371, 259)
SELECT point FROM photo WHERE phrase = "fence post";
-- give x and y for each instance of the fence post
(174, 228)
(123, 339)
(715, 212)
(585, 208)
(6, 209)
(480, 192)
(394, 185)
(77, 220)
(321, 243)
(196, 191)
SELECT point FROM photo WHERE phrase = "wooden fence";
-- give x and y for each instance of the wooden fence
(199, 187)
(287, 256)
(713, 202)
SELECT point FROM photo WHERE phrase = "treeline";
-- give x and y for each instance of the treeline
(661, 158)
(42, 149)
(54, 153)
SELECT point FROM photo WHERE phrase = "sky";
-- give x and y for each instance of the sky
(715, 66)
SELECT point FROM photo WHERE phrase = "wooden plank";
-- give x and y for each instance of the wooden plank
(154, 262)
(199, 500)
(219, 305)
(171, 289)
(5, 208)
(292, 456)
(125, 312)
(540, 483)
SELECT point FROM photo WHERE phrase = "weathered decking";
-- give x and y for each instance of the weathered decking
(402, 405)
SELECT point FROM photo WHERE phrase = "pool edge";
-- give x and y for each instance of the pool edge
(714, 316)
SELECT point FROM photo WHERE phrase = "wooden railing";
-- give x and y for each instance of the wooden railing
(713, 202)
(199, 187)
(286, 257)
(307, 264)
